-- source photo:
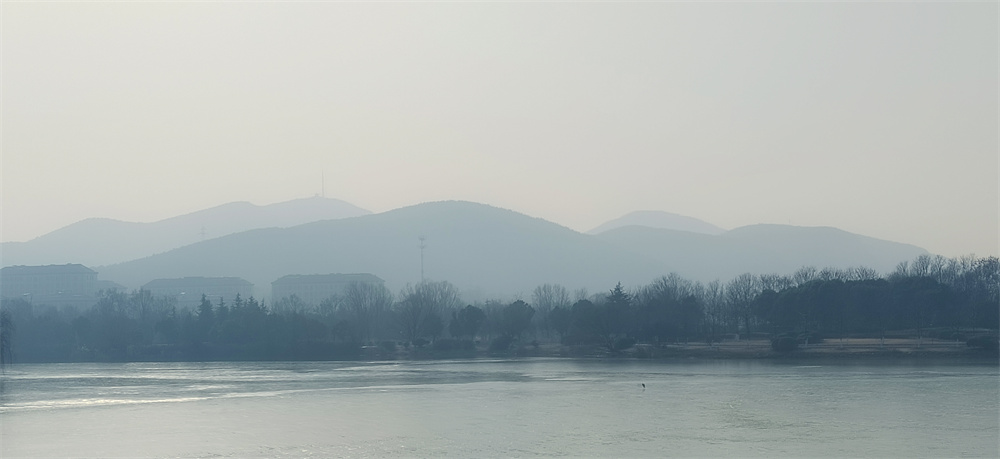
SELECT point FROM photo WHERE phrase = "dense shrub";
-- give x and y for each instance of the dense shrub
(643, 351)
(810, 338)
(784, 344)
(985, 342)
(621, 344)
(501, 343)
(951, 335)
(446, 344)
(580, 339)
(387, 346)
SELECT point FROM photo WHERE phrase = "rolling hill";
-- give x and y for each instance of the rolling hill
(485, 251)
(490, 252)
(758, 249)
(659, 219)
(102, 241)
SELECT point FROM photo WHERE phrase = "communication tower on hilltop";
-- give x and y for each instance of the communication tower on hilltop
(422, 247)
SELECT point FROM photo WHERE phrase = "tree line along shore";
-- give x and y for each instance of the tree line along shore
(929, 307)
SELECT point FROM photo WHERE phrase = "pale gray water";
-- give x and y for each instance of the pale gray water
(535, 407)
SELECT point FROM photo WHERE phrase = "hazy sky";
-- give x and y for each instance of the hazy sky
(880, 119)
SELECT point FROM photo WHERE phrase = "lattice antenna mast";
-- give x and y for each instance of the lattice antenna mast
(422, 247)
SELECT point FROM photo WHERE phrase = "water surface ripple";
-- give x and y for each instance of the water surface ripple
(489, 408)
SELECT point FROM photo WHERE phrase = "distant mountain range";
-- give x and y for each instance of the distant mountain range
(659, 219)
(102, 241)
(491, 252)
(780, 249)
(485, 251)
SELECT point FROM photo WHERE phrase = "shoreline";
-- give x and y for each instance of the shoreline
(852, 350)
(848, 350)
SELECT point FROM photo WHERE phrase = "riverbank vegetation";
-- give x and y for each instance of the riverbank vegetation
(930, 298)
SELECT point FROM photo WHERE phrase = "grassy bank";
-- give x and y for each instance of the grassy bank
(874, 349)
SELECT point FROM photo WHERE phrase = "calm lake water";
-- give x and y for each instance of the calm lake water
(487, 408)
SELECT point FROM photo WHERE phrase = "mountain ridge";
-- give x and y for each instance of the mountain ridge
(760, 248)
(100, 241)
(475, 246)
(488, 251)
(483, 249)
(659, 219)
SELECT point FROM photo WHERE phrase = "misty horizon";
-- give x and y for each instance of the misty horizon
(639, 217)
(499, 229)
(879, 119)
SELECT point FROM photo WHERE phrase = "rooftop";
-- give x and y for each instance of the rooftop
(70, 268)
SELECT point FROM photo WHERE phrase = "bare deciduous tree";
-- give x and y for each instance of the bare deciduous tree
(546, 298)
(804, 275)
(861, 273)
(714, 300)
(367, 304)
(422, 305)
(550, 296)
(6, 338)
(740, 293)
(774, 281)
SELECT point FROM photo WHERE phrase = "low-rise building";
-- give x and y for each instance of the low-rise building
(314, 288)
(108, 286)
(54, 285)
(188, 290)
